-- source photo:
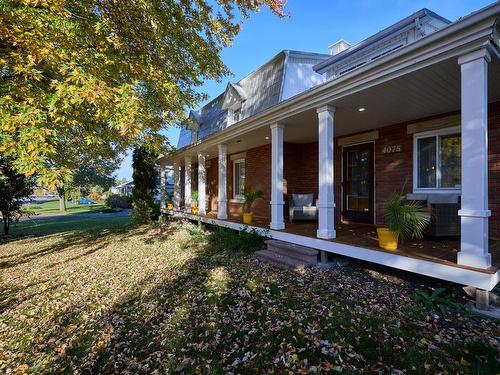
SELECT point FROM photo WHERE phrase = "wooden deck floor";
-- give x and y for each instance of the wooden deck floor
(362, 235)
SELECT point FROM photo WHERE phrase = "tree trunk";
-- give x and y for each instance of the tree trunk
(6, 223)
(62, 197)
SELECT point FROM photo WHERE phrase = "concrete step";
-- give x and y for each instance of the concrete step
(302, 253)
(279, 260)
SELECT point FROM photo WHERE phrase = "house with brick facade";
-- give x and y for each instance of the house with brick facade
(414, 108)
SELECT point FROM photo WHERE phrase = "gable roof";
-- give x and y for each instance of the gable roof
(259, 90)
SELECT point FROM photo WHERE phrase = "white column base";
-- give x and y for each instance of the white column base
(277, 222)
(326, 221)
(277, 226)
(471, 260)
(222, 210)
(326, 234)
(474, 239)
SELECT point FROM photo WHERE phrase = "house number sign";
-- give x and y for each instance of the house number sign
(391, 149)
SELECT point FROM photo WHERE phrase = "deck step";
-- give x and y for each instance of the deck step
(280, 261)
(291, 250)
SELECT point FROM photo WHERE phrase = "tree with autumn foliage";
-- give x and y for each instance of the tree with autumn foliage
(81, 79)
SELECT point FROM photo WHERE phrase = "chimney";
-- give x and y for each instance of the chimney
(339, 46)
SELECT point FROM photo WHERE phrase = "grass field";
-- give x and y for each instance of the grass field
(51, 208)
(106, 296)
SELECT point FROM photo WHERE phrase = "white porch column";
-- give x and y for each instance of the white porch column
(474, 211)
(326, 202)
(177, 185)
(163, 185)
(222, 196)
(202, 202)
(187, 183)
(277, 202)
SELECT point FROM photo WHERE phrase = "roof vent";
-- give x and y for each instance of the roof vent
(339, 46)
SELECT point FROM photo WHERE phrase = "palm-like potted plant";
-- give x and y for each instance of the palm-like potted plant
(250, 197)
(404, 220)
(194, 202)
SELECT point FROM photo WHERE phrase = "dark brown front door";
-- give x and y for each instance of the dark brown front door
(357, 184)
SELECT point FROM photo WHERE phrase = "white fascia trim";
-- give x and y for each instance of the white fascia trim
(455, 274)
(464, 36)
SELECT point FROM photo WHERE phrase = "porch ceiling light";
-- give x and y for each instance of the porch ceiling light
(267, 137)
(361, 109)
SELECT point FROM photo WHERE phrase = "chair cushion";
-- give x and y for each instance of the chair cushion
(309, 210)
(303, 200)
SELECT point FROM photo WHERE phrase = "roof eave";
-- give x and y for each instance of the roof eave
(324, 65)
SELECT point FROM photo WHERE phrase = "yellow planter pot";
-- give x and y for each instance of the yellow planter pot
(387, 240)
(170, 206)
(194, 210)
(247, 217)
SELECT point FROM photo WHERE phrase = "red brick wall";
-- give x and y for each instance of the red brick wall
(494, 167)
(258, 176)
(392, 171)
(212, 183)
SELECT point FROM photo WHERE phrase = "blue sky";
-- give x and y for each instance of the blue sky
(312, 26)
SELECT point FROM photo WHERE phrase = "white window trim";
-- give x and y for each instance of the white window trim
(237, 197)
(238, 106)
(435, 133)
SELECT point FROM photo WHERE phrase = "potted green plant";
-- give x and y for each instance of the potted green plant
(194, 202)
(250, 196)
(404, 220)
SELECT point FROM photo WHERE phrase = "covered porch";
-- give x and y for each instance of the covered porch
(300, 146)
(436, 259)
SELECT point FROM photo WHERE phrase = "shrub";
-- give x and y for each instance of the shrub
(118, 201)
(144, 176)
(438, 300)
(245, 240)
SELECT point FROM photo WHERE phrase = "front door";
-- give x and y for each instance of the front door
(357, 184)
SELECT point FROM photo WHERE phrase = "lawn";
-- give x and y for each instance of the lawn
(51, 208)
(117, 298)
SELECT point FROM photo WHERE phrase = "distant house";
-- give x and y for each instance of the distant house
(169, 182)
(126, 189)
(123, 189)
(412, 107)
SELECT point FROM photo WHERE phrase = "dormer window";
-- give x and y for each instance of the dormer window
(194, 125)
(234, 97)
(236, 115)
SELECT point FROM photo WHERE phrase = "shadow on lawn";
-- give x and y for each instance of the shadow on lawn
(12, 295)
(93, 240)
(169, 321)
(147, 327)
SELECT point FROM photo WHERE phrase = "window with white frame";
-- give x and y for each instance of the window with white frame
(236, 115)
(238, 178)
(437, 160)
